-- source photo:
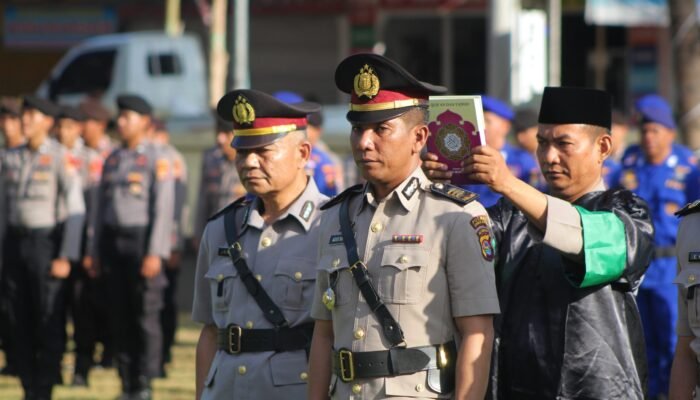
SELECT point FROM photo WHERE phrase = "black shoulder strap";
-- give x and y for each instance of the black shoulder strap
(392, 329)
(342, 196)
(270, 310)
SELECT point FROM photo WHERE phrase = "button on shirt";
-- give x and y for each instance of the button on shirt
(33, 183)
(425, 282)
(283, 256)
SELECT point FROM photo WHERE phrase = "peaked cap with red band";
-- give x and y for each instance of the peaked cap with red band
(259, 118)
(380, 88)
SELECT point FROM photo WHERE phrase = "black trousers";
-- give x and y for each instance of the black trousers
(168, 316)
(135, 305)
(89, 309)
(6, 322)
(37, 307)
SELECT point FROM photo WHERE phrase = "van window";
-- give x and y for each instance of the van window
(86, 73)
(164, 64)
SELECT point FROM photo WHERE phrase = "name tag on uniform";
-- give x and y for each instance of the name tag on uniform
(694, 256)
(223, 251)
(336, 240)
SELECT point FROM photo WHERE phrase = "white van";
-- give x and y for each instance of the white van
(168, 71)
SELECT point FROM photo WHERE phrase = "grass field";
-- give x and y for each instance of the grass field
(104, 383)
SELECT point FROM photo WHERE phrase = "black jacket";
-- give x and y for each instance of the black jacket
(557, 341)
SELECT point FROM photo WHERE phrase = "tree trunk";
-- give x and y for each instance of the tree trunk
(686, 52)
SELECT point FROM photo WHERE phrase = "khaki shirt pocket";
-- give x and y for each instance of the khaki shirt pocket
(414, 385)
(688, 280)
(39, 189)
(340, 278)
(209, 380)
(294, 283)
(402, 273)
(222, 277)
(288, 368)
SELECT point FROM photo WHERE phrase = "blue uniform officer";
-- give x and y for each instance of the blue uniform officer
(659, 173)
(498, 117)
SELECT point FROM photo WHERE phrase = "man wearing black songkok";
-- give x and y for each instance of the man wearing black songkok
(567, 264)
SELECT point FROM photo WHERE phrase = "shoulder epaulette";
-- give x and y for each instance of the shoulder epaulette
(352, 190)
(240, 202)
(689, 208)
(454, 193)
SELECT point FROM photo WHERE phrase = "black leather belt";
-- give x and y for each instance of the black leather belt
(233, 339)
(396, 361)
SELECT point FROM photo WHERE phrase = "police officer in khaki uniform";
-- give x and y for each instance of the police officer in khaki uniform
(219, 182)
(405, 291)
(82, 288)
(38, 248)
(168, 316)
(685, 373)
(256, 309)
(11, 129)
(95, 302)
(133, 238)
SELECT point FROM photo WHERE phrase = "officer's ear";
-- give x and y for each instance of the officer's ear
(603, 144)
(421, 133)
(303, 145)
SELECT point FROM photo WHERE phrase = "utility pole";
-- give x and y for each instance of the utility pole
(241, 65)
(554, 42)
(218, 56)
(173, 25)
(501, 17)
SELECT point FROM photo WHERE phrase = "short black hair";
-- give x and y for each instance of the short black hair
(416, 116)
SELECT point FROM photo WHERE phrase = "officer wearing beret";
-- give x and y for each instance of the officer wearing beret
(567, 263)
(661, 177)
(97, 118)
(219, 182)
(256, 266)
(168, 315)
(93, 303)
(405, 291)
(133, 238)
(685, 373)
(498, 117)
(88, 163)
(38, 247)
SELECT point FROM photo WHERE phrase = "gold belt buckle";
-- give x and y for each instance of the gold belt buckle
(234, 337)
(347, 374)
(442, 357)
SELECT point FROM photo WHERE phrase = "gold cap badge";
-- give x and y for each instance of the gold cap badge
(243, 112)
(366, 82)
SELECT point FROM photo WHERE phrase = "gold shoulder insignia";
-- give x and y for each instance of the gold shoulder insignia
(454, 193)
(243, 111)
(689, 208)
(366, 82)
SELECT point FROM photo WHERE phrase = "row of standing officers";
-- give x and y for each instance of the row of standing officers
(413, 288)
(96, 228)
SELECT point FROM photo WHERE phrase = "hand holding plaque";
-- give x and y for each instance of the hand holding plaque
(456, 126)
